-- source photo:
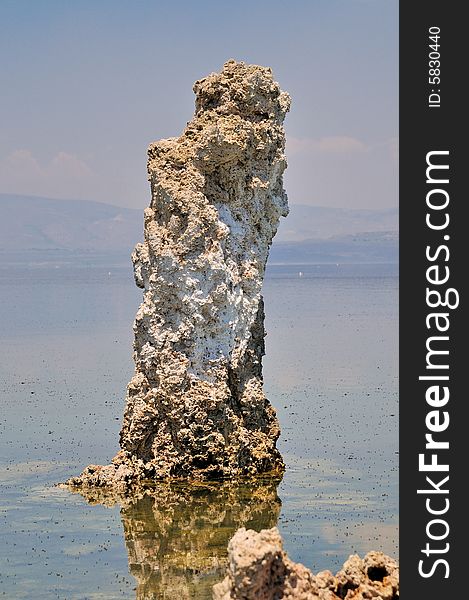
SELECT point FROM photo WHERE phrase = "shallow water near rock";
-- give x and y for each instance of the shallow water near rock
(330, 370)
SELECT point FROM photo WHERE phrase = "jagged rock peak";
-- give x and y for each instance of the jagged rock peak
(246, 90)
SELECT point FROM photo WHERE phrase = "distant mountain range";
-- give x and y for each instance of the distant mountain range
(319, 223)
(30, 222)
(371, 247)
(310, 234)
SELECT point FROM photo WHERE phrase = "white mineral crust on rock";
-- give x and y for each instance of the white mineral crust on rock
(195, 406)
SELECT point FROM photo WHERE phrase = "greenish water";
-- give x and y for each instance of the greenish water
(330, 370)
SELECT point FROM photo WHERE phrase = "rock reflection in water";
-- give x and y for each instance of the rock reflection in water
(177, 534)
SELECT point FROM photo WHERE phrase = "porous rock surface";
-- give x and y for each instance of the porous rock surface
(259, 569)
(195, 406)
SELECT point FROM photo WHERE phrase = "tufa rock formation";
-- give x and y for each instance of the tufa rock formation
(195, 406)
(259, 569)
(177, 533)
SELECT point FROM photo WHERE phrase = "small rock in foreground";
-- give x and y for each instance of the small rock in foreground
(259, 569)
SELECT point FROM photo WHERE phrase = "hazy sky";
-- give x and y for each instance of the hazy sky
(87, 85)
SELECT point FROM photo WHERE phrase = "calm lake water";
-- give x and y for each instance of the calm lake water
(330, 371)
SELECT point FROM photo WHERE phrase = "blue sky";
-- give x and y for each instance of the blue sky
(87, 85)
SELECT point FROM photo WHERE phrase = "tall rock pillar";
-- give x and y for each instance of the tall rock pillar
(195, 407)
